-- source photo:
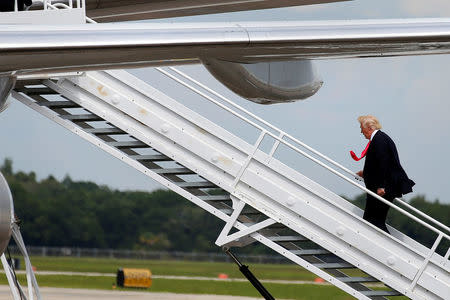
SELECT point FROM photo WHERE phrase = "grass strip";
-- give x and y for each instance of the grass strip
(167, 267)
(187, 268)
(279, 291)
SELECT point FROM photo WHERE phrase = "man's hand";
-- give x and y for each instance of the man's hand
(381, 192)
(360, 173)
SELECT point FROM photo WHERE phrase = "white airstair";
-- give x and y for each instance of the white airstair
(258, 197)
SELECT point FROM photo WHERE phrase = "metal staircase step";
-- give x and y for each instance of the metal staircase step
(287, 239)
(341, 265)
(202, 184)
(151, 157)
(247, 211)
(278, 226)
(105, 131)
(82, 118)
(310, 252)
(173, 171)
(128, 144)
(357, 279)
(31, 91)
(59, 104)
(215, 197)
(380, 293)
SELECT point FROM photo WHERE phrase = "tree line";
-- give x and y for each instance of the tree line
(83, 214)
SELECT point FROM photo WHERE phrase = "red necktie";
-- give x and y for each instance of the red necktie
(353, 155)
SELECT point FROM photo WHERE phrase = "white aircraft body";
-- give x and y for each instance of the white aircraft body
(265, 62)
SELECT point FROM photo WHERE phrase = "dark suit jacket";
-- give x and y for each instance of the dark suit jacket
(382, 168)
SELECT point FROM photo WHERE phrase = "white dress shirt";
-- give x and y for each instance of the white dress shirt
(373, 134)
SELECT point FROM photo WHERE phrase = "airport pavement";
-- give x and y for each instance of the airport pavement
(72, 294)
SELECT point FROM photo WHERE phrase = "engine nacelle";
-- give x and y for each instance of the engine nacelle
(267, 82)
(6, 214)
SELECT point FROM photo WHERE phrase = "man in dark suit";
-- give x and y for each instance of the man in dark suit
(382, 172)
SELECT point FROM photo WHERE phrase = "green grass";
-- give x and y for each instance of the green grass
(166, 267)
(279, 291)
(185, 268)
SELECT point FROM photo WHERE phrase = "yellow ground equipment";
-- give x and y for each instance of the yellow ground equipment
(140, 278)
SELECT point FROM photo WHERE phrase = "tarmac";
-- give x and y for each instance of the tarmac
(72, 294)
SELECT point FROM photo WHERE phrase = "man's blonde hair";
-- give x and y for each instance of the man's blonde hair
(369, 122)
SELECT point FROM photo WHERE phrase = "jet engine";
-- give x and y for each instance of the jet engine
(267, 82)
(6, 213)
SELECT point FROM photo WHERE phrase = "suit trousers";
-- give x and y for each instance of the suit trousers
(376, 211)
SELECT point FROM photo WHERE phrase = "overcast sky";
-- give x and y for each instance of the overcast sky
(410, 95)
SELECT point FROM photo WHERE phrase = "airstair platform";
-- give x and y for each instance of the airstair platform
(259, 198)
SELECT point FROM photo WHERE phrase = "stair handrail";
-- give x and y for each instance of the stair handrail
(284, 134)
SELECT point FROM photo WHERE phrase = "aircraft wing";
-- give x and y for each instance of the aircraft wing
(100, 46)
(125, 10)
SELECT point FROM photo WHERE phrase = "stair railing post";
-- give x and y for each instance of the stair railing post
(249, 157)
(447, 255)
(275, 146)
(426, 261)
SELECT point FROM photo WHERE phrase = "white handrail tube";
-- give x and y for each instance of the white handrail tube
(419, 212)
